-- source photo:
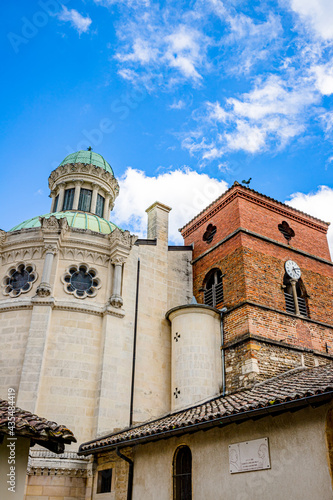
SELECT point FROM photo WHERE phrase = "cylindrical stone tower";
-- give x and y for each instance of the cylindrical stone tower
(196, 370)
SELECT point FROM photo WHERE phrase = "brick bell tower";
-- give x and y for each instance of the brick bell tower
(269, 265)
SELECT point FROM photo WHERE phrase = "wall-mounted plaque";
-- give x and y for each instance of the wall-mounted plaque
(249, 455)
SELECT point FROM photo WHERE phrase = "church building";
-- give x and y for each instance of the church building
(185, 372)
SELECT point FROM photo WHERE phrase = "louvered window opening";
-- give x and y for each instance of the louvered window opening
(290, 304)
(214, 295)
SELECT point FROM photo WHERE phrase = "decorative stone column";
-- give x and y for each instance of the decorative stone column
(53, 198)
(44, 289)
(61, 196)
(121, 244)
(106, 211)
(94, 198)
(116, 298)
(78, 185)
(53, 230)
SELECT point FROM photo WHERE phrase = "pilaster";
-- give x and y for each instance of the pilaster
(53, 230)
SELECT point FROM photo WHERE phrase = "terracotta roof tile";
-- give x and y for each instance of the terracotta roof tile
(284, 390)
(48, 434)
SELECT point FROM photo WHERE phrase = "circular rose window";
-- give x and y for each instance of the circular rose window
(81, 281)
(19, 280)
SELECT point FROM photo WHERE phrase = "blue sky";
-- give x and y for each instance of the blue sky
(182, 98)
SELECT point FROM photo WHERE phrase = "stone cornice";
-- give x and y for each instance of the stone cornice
(15, 303)
(238, 191)
(88, 173)
(62, 305)
(95, 247)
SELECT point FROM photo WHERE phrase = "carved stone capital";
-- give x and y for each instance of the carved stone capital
(118, 260)
(121, 243)
(44, 290)
(116, 301)
(51, 248)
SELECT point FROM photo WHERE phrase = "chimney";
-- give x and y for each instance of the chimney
(158, 222)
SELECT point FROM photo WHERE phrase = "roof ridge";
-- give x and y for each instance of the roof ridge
(269, 198)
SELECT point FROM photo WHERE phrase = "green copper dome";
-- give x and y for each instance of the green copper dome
(79, 220)
(88, 157)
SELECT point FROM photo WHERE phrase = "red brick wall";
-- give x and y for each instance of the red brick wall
(242, 207)
(253, 270)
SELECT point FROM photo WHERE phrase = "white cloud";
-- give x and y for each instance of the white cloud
(246, 138)
(185, 191)
(318, 204)
(180, 104)
(160, 49)
(272, 97)
(79, 22)
(316, 13)
(251, 40)
(142, 52)
(184, 51)
(324, 77)
(270, 114)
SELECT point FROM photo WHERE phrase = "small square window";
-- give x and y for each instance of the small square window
(104, 481)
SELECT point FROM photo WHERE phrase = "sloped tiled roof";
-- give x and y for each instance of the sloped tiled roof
(48, 434)
(296, 388)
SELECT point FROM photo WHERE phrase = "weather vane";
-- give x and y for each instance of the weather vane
(247, 183)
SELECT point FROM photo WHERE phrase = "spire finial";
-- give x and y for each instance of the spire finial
(89, 148)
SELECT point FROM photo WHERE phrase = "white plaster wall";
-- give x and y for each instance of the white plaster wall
(196, 360)
(299, 467)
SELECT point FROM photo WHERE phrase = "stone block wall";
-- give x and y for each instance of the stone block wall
(55, 487)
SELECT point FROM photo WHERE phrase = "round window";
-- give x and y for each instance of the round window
(19, 280)
(81, 281)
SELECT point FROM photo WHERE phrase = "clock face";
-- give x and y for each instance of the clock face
(292, 269)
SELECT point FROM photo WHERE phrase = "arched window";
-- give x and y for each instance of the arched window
(100, 205)
(289, 296)
(213, 288)
(68, 199)
(85, 200)
(182, 474)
